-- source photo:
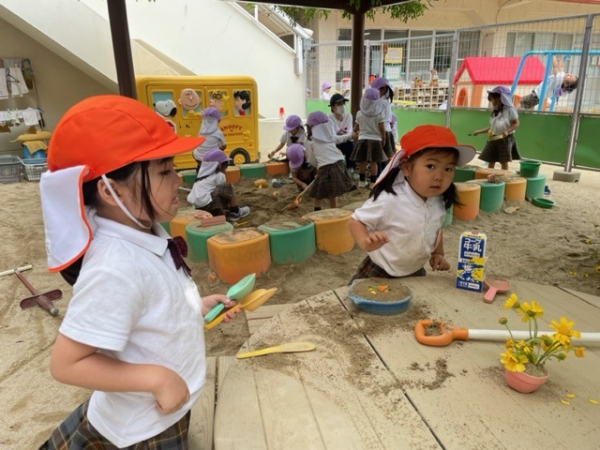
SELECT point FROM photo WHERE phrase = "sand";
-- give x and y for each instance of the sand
(558, 246)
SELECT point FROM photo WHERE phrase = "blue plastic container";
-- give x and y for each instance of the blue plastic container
(379, 308)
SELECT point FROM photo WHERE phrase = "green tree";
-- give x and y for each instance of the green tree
(403, 12)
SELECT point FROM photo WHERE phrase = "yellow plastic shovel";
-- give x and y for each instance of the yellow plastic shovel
(291, 347)
(250, 303)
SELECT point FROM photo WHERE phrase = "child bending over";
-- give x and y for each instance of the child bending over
(400, 225)
(211, 192)
(294, 134)
(301, 171)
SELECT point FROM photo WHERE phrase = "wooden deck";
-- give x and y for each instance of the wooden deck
(370, 385)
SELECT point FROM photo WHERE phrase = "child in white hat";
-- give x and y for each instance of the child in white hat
(211, 191)
(332, 180)
(133, 332)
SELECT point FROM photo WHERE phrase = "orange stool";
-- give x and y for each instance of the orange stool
(234, 254)
(515, 189)
(276, 168)
(481, 174)
(184, 216)
(233, 174)
(331, 230)
(469, 194)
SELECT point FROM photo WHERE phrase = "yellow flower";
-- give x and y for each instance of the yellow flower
(512, 301)
(514, 363)
(563, 331)
(579, 352)
(524, 310)
(536, 309)
(509, 343)
(502, 320)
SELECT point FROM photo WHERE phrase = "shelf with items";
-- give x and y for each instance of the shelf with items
(20, 113)
(422, 96)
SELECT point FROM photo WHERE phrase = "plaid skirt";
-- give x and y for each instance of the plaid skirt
(368, 269)
(221, 199)
(332, 181)
(390, 145)
(368, 150)
(500, 150)
(529, 101)
(77, 433)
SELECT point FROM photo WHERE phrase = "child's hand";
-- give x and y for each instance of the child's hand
(375, 241)
(474, 133)
(437, 262)
(171, 391)
(211, 300)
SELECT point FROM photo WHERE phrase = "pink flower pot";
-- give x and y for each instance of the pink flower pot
(522, 382)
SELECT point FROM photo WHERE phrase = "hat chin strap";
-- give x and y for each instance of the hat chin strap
(122, 206)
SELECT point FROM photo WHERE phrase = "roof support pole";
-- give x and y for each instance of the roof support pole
(358, 59)
(117, 14)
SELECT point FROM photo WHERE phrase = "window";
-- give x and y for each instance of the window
(518, 43)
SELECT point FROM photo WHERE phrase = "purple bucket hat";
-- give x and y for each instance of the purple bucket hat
(380, 82)
(215, 155)
(212, 112)
(325, 85)
(316, 118)
(292, 122)
(295, 153)
(371, 94)
(500, 90)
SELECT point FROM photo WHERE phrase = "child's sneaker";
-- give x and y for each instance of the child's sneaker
(362, 183)
(243, 212)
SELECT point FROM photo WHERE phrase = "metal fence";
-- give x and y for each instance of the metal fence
(432, 69)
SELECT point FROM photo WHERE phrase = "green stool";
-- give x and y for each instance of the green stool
(492, 196)
(188, 176)
(465, 173)
(253, 170)
(291, 241)
(448, 219)
(535, 187)
(166, 226)
(197, 237)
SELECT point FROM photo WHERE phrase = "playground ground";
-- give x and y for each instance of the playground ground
(558, 246)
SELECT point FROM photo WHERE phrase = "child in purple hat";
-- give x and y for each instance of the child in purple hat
(321, 152)
(211, 191)
(294, 134)
(370, 136)
(213, 136)
(325, 91)
(301, 171)
(501, 145)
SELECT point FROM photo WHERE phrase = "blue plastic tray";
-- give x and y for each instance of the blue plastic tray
(379, 308)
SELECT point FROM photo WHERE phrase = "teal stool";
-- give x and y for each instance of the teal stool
(448, 219)
(291, 241)
(462, 174)
(197, 237)
(535, 187)
(492, 196)
(166, 226)
(188, 176)
(253, 170)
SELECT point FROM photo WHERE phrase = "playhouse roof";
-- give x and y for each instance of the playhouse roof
(500, 70)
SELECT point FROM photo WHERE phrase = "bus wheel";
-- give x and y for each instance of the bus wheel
(239, 156)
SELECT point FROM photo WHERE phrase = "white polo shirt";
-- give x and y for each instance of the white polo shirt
(410, 223)
(131, 303)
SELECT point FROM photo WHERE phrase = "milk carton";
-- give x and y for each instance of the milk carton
(471, 261)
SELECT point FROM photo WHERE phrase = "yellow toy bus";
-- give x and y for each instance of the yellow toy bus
(180, 101)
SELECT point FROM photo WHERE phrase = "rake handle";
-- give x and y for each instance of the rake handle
(20, 269)
(41, 299)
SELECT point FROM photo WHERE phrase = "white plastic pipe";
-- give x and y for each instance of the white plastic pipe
(502, 335)
(12, 271)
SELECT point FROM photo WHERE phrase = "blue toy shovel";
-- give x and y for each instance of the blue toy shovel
(236, 292)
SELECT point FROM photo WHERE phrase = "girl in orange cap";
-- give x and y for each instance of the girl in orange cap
(132, 333)
(400, 225)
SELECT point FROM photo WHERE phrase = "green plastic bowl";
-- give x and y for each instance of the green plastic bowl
(542, 202)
